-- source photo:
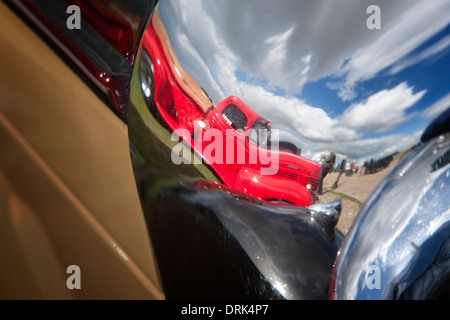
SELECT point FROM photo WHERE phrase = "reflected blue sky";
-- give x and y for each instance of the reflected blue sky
(315, 67)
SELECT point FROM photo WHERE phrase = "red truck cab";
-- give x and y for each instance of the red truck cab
(252, 158)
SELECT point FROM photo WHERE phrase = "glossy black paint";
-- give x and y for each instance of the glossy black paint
(211, 246)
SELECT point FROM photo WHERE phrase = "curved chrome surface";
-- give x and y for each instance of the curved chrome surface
(401, 227)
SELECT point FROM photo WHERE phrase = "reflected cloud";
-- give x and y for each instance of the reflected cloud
(266, 53)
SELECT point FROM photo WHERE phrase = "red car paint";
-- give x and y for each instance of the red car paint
(109, 21)
(293, 180)
(176, 106)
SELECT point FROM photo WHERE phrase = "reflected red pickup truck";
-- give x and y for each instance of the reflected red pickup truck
(240, 146)
(246, 151)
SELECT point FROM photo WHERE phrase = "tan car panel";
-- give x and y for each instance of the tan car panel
(67, 190)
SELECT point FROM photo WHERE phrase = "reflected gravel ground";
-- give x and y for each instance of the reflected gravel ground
(354, 191)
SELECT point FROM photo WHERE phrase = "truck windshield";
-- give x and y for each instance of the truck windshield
(261, 135)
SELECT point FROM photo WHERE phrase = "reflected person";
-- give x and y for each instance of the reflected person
(341, 169)
(327, 165)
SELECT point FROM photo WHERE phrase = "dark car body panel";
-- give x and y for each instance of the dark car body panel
(211, 246)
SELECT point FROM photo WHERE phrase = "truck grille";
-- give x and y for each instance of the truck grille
(314, 184)
(281, 172)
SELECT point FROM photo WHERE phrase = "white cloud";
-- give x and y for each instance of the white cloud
(383, 110)
(288, 44)
(426, 54)
(380, 112)
(375, 147)
(312, 123)
(406, 33)
(309, 40)
(437, 108)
